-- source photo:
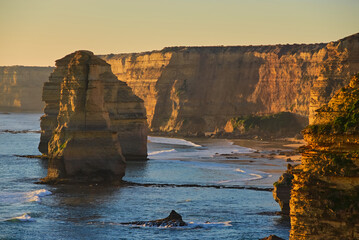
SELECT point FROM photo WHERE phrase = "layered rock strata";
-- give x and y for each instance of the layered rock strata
(194, 90)
(92, 121)
(191, 90)
(20, 88)
(325, 194)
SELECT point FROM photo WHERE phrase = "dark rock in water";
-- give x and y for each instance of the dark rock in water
(173, 220)
(282, 188)
(272, 237)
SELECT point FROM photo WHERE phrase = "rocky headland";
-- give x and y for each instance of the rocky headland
(92, 121)
(324, 200)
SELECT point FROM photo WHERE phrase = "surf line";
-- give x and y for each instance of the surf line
(196, 186)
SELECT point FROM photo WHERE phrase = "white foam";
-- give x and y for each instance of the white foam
(21, 197)
(256, 176)
(250, 176)
(172, 141)
(250, 149)
(189, 225)
(34, 196)
(208, 224)
(161, 151)
(23, 218)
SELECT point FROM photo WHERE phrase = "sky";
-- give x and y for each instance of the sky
(37, 32)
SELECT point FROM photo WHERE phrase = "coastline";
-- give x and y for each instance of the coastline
(282, 148)
(268, 156)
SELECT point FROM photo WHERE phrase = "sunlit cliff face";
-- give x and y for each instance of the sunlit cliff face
(92, 121)
(198, 89)
(325, 195)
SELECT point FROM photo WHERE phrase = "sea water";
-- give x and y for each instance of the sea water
(33, 211)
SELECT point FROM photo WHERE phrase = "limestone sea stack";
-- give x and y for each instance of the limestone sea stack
(325, 193)
(92, 121)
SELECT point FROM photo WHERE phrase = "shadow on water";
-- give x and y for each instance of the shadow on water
(44, 163)
(280, 220)
(136, 168)
(81, 203)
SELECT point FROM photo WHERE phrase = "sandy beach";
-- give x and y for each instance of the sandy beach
(271, 157)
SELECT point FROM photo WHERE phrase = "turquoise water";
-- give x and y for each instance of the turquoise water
(32, 211)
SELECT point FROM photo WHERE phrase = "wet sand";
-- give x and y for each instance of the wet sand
(285, 149)
(271, 157)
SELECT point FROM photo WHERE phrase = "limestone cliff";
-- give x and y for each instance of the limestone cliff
(190, 90)
(20, 88)
(325, 194)
(89, 117)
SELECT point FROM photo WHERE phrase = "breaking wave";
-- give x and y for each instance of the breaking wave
(172, 141)
(21, 197)
(23, 218)
(161, 151)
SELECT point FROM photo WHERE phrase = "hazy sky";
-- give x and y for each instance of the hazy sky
(37, 32)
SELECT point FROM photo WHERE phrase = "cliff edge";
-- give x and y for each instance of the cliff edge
(325, 194)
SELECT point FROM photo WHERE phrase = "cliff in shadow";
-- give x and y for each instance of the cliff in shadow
(325, 193)
(194, 90)
(92, 121)
(283, 124)
(20, 88)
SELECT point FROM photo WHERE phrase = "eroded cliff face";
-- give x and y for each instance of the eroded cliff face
(20, 88)
(92, 121)
(340, 62)
(191, 90)
(325, 194)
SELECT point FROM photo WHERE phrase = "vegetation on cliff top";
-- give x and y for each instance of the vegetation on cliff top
(342, 110)
(283, 124)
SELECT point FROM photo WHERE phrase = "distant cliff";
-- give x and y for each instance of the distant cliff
(21, 87)
(325, 193)
(191, 90)
(197, 90)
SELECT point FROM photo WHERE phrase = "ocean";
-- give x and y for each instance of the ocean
(191, 176)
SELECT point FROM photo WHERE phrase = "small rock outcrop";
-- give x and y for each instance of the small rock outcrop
(282, 188)
(173, 220)
(272, 237)
(92, 121)
(325, 194)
